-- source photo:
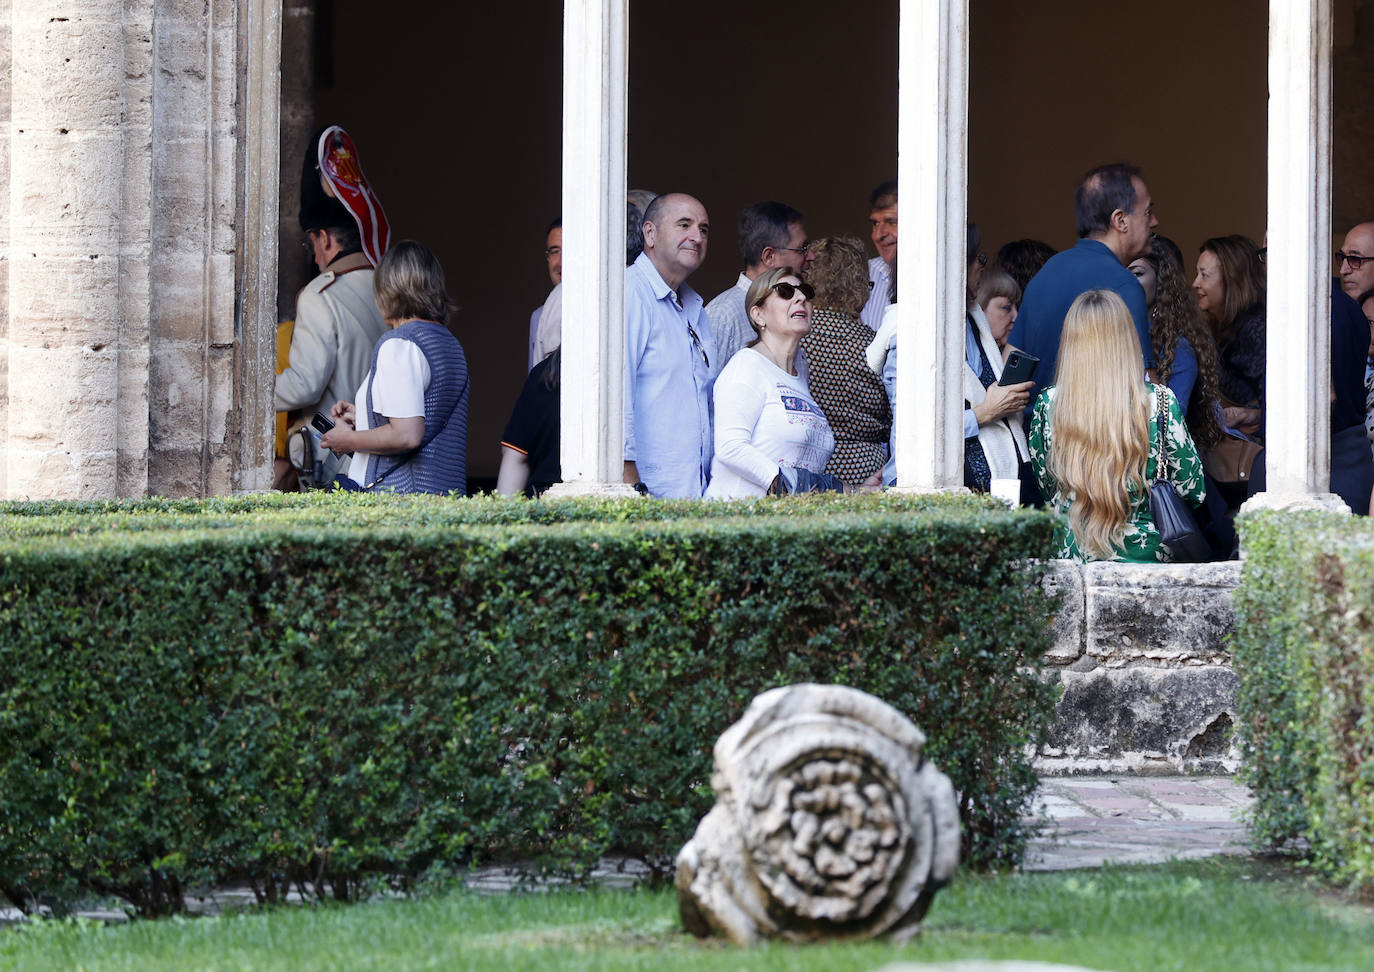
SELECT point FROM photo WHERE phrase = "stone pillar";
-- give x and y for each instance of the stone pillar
(932, 175)
(141, 269)
(1298, 415)
(5, 96)
(79, 147)
(194, 240)
(252, 422)
(595, 74)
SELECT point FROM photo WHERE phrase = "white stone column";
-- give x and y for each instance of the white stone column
(79, 112)
(255, 325)
(1298, 370)
(595, 75)
(932, 177)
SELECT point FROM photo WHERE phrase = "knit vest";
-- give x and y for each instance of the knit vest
(439, 465)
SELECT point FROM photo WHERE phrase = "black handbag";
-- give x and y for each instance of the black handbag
(1178, 529)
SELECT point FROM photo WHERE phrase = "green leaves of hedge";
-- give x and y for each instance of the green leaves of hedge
(1304, 651)
(319, 689)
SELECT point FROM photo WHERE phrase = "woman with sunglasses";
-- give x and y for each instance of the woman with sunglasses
(770, 435)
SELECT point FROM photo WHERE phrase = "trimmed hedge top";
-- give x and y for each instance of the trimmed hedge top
(22, 521)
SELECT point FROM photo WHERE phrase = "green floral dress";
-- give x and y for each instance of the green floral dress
(1141, 541)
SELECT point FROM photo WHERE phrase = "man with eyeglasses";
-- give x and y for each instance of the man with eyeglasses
(771, 234)
(546, 331)
(670, 354)
(1355, 264)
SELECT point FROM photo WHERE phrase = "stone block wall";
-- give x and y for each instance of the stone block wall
(1147, 681)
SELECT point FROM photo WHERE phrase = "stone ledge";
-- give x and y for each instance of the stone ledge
(1144, 720)
(1140, 652)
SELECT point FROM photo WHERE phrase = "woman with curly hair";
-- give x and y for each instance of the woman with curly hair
(1096, 440)
(1185, 352)
(852, 396)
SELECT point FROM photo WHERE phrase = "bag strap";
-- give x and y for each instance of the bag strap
(1161, 410)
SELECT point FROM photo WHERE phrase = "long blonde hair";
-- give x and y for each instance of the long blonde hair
(1100, 420)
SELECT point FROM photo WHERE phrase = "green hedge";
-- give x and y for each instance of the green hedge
(1304, 651)
(328, 688)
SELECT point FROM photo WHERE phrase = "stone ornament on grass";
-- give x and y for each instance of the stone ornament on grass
(828, 823)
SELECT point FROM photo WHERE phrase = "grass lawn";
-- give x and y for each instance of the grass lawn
(1224, 913)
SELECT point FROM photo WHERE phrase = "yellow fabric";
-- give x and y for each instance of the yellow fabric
(284, 330)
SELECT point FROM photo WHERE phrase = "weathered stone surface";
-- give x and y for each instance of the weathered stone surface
(1179, 625)
(1175, 719)
(1176, 614)
(1065, 578)
(1141, 621)
(1224, 575)
(827, 823)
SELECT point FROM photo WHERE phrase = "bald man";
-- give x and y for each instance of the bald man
(670, 354)
(1355, 264)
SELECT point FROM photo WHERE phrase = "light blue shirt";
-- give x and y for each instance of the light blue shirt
(669, 370)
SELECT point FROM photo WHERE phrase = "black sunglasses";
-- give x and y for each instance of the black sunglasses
(1355, 261)
(786, 290)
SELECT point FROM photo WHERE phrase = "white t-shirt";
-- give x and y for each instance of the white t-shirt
(765, 419)
(398, 392)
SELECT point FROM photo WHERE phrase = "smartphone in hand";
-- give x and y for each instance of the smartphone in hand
(1020, 367)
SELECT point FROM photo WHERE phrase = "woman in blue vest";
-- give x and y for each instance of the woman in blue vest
(408, 429)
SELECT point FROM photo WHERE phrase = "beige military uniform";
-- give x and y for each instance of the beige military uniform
(337, 325)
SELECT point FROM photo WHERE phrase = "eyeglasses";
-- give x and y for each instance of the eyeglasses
(804, 248)
(696, 343)
(787, 291)
(1263, 254)
(1353, 259)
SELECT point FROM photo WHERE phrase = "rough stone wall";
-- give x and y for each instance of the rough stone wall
(121, 259)
(79, 108)
(1147, 679)
(191, 313)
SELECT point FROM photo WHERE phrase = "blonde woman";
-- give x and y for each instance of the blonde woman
(1095, 440)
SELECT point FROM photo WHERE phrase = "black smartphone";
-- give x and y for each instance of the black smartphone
(1020, 367)
(321, 423)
